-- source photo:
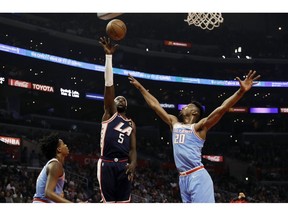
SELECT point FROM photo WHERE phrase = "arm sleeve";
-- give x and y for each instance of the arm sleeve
(108, 71)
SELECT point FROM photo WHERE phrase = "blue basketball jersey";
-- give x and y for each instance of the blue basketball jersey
(41, 183)
(187, 147)
(115, 137)
(197, 186)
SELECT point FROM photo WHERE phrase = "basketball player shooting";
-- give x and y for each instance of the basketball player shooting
(188, 137)
(116, 166)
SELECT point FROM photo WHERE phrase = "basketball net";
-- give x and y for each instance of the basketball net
(205, 20)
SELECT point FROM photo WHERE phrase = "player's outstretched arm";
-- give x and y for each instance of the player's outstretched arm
(109, 91)
(153, 103)
(216, 115)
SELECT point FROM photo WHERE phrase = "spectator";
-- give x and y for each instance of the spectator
(2, 197)
(241, 198)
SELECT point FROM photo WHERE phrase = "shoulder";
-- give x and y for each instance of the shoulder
(200, 125)
(176, 125)
(133, 124)
(108, 118)
(54, 164)
(55, 168)
(52, 161)
(173, 119)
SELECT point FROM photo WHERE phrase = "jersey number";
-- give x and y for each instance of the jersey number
(179, 138)
(121, 138)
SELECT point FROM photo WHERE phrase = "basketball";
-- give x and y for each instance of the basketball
(116, 29)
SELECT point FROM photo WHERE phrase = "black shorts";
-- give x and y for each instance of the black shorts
(113, 180)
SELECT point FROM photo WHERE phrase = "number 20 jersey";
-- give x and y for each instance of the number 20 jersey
(187, 147)
(115, 137)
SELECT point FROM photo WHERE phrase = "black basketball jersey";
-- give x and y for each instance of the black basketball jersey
(115, 137)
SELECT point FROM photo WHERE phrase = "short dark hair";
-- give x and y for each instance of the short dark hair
(49, 145)
(200, 107)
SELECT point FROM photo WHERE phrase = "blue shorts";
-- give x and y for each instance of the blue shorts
(197, 187)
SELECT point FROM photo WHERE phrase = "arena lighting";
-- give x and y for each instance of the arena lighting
(93, 96)
(264, 110)
(136, 74)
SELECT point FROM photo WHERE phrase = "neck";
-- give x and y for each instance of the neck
(188, 120)
(122, 114)
(60, 158)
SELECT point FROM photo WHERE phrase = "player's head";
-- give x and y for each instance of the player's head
(241, 195)
(121, 104)
(52, 145)
(193, 111)
(200, 109)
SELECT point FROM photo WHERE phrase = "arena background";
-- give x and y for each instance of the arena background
(246, 152)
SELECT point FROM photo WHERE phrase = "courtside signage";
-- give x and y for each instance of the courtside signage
(238, 109)
(29, 85)
(214, 158)
(69, 93)
(168, 106)
(44, 88)
(283, 109)
(19, 83)
(2, 80)
(10, 140)
(178, 44)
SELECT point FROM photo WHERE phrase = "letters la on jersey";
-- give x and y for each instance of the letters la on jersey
(115, 136)
(125, 130)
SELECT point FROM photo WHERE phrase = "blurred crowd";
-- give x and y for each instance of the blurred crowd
(17, 185)
(156, 178)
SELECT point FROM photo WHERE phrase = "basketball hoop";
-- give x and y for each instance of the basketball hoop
(107, 16)
(205, 20)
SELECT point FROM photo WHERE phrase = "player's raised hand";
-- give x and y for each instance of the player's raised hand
(134, 82)
(249, 81)
(107, 45)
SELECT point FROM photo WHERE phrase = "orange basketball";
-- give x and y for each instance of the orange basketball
(116, 29)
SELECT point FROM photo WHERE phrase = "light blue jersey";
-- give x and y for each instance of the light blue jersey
(194, 181)
(39, 196)
(187, 147)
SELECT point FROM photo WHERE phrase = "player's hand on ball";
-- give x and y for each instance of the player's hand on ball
(107, 45)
